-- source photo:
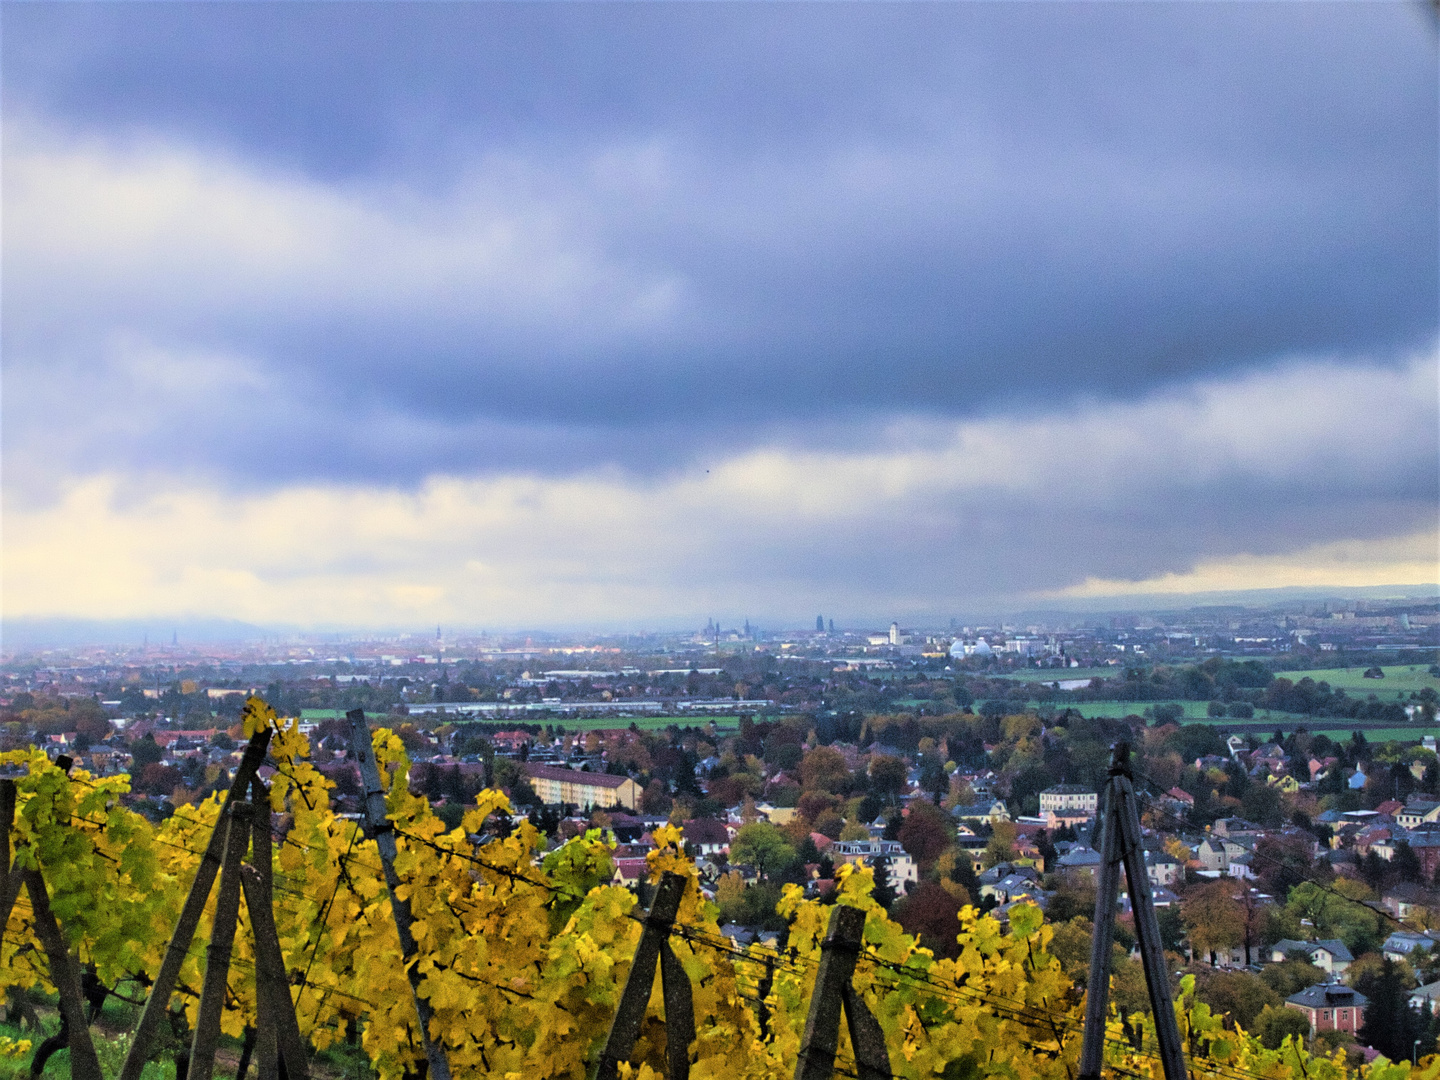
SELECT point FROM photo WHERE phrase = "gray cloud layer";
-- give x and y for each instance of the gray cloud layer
(530, 235)
(1173, 266)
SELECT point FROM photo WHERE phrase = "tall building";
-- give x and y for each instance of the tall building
(819, 624)
(559, 787)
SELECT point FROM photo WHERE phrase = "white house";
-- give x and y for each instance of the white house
(1067, 797)
(901, 867)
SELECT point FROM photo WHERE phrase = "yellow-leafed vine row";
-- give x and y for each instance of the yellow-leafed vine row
(524, 957)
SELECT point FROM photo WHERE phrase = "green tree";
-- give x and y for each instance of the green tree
(145, 751)
(1291, 976)
(887, 776)
(1273, 1026)
(1001, 847)
(1339, 911)
(762, 846)
(1238, 993)
(1391, 1026)
(884, 891)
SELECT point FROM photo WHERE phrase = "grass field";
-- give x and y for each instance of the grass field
(1400, 680)
(1263, 722)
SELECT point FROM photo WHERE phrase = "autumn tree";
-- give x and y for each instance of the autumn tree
(1214, 918)
(926, 833)
(888, 776)
(932, 914)
(824, 769)
(1001, 847)
(1285, 860)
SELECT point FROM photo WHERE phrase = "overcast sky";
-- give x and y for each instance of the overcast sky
(624, 314)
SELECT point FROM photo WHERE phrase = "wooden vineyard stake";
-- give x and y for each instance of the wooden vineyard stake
(222, 942)
(383, 833)
(157, 1003)
(674, 987)
(10, 878)
(1119, 825)
(272, 990)
(834, 992)
(65, 974)
(262, 860)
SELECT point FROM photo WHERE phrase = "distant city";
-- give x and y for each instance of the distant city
(1282, 753)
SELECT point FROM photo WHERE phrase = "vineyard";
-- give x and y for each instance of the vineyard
(521, 958)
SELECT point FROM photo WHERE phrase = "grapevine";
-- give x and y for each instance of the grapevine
(524, 954)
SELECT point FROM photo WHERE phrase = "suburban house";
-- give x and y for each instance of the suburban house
(708, 836)
(1330, 955)
(901, 866)
(1162, 869)
(1006, 883)
(1215, 853)
(1330, 1007)
(1178, 802)
(1234, 828)
(568, 787)
(1079, 859)
(1404, 899)
(1426, 997)
(1065, 800)
(1399, 945)
(991, 811)
(1416, 812)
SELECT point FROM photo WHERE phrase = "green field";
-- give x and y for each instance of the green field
(1400, 680)
(1263, 722)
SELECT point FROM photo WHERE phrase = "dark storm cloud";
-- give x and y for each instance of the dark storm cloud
(791, 222)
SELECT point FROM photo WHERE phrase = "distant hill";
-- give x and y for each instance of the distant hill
(1244, 598)
(39, 633)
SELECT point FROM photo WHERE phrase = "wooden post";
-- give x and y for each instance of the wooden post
(279, 1013)
(383, 832)
(222, 942)
(10, 878)
(834, 992)
(157, 1003)
(625, 1028)
(679, 1011)
(65, 974)
(1120, 829)
(267, 1005)
(247, 1051)
(1102, 944)
(1147, 929)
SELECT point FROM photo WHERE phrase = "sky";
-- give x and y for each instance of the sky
(622, 314)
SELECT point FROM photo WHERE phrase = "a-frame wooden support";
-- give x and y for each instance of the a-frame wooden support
(1118, 828)
(654, 948)
(241, 822)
